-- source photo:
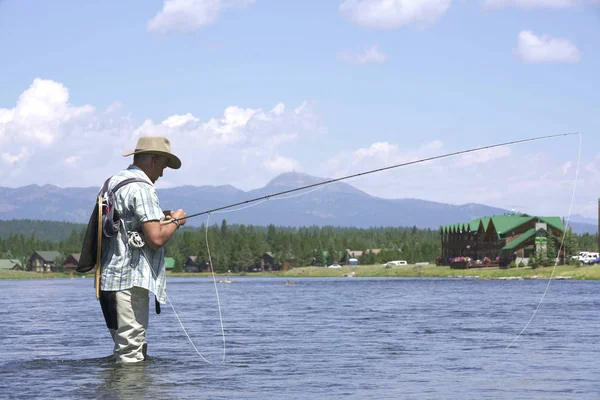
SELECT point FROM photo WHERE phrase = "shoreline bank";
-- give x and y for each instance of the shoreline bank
(560, 272)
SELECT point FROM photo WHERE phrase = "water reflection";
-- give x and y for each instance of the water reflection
(126, 381)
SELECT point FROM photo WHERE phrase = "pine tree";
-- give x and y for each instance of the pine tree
(551, 255)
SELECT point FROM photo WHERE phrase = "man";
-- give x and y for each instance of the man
(132, 263)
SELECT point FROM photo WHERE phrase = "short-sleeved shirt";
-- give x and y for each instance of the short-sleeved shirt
(125, 266)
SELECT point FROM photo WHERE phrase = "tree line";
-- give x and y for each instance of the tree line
(239, 247)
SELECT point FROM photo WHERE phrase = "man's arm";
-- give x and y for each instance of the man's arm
(158, 233)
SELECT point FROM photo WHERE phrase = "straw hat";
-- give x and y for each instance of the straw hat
(156, 145)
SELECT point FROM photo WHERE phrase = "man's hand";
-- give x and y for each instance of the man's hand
(158, 233)
(179, 215)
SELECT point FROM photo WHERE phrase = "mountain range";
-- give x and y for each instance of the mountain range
(336, 204)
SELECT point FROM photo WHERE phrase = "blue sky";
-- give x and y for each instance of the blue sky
(248, 89)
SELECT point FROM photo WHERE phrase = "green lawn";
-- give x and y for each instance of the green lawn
(566, 271)
(573, 272)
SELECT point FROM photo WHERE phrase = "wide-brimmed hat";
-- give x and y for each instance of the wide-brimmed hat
(156, 145)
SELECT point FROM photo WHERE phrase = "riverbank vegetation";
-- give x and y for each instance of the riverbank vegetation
(584, 272)
(237, 248)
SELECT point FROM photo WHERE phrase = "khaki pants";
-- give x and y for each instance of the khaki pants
(126, 314)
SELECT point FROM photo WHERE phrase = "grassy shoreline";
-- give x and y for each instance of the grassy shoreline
(407, 271)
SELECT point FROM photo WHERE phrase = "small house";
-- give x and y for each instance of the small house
(10, 265)
(43, 261)
(71, 262)
(191, 264)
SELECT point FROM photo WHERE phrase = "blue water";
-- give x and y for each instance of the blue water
(330, 338)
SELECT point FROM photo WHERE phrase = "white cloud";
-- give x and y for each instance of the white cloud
(393, 14)
(38, 112)
(377, 155)
(190, 15)
(483, 156)
(45, 139)
(545, 49)
(175, 121)
(278, 109)
(370, 56)
(280, 164)
(246, 147)
(566, 167)
(540, 182)
(11, 159)
(528, 4)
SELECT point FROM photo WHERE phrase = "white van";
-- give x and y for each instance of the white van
(589, 257)
(580, 256)
(393, 263)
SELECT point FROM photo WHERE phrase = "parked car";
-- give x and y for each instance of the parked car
(394, 263)
(586, 256)
(589, 257)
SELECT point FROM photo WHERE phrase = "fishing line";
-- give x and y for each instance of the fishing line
(267, 197)
(175, 312)
(213, 271)
(559, 249)
(216, 290)
(321, 185)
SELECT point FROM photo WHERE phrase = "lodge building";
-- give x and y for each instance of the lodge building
(502, 239)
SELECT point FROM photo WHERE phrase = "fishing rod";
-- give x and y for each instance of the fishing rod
(267, 197)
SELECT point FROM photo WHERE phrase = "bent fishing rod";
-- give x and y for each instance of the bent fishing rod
(267, 197)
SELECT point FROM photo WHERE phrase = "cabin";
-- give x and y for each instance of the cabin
(71, 262)
(268, 263)
(10, 265)
(43, 261)
(499, 240)
(191, 264)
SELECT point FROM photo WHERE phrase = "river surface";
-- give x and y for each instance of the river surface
(322, 338)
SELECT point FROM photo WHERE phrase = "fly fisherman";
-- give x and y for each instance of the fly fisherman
(132, 260)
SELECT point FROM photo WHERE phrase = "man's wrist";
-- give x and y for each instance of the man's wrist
(176, 222)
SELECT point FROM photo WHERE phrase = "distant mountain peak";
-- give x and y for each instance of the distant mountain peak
(292, 180)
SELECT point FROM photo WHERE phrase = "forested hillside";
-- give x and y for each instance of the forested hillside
(54, 231)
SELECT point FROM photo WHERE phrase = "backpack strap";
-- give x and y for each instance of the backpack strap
(123, 183)
(111, 220)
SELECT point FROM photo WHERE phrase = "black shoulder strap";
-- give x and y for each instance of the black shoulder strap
(121, 184)
(128, 181)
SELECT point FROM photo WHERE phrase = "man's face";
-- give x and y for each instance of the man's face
(158, 165)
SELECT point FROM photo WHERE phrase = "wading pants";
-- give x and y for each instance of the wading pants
(126, 315)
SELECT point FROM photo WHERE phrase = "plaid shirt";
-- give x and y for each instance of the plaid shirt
(124, 266)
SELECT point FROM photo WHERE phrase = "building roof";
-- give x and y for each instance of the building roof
(7, 264)
(554, 221)
(75, 256)
(505, 223)
(358, 253)
(169, 263)
(474, 225)
(49, 256)
(520, 240)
